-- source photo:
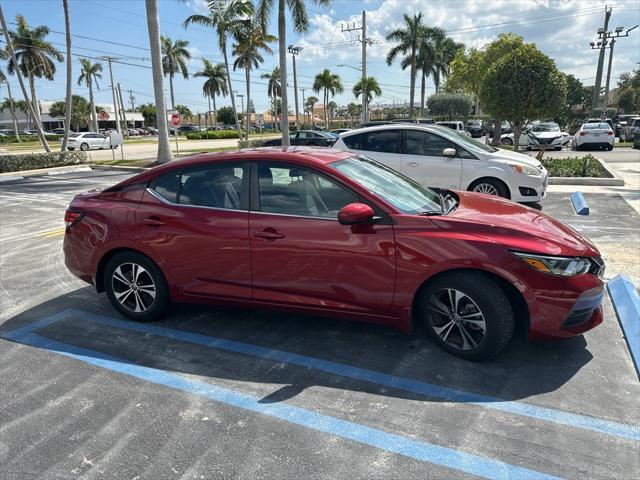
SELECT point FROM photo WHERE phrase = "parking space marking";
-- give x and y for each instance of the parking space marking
(416, 449)
(349, 371)
(51, 233)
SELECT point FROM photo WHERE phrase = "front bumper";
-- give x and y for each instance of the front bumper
(530, 188)
(547, 143)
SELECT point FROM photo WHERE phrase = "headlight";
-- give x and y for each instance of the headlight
(525, 169)
(565, 266)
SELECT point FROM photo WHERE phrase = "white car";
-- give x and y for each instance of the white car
(455, 125)
(88, 141)
(436, 156)
(594, 135)
(538, 134)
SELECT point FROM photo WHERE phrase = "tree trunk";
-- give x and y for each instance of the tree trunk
(282, 47)
(215, 113)
(517, 131)
(247, 121)
(413, 82)
(436, 81)
(67, 104)
(207, 119)
(153, 26)
(422, 91)
(497, 132)
(173, 100)
(233, 100)
(92, 103)
(12, 108)
(34, 100)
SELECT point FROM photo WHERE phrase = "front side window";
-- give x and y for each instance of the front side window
(291, 190)
(217, 186)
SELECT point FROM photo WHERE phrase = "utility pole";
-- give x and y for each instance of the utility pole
(125, 127)
(362, 38)
(132, 100)
(304, 108)
(113, 92)
(295, 51)
(603, 36)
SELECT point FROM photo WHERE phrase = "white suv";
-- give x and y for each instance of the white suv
(439, 157)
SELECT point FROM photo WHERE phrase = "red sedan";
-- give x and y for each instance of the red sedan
(333, 234)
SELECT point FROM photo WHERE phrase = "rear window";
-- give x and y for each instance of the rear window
(595, 126)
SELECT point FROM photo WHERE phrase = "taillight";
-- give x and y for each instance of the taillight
(582, 134)
(71, 218)
(609, 132)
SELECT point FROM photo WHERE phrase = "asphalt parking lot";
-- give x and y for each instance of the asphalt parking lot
(237, 393)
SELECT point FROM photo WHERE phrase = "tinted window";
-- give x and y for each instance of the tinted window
(219, 187)
(298, 191)
(168, 186)
(353, 141)
(424, 143)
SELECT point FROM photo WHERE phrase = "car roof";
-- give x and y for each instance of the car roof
(303, 155)
(396, 126)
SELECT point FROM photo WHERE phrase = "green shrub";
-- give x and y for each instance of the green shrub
(28, 138)
(212, 135)
(32, 161)
(574, 167)
(256, 143)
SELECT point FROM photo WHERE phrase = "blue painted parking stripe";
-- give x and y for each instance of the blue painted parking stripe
(626, 303)
(415, 386)
(422, 451)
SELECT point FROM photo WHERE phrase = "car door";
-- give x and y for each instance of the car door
(299, 138)
(381, 145)
(423, 160)
(196, 222)
(302, 255)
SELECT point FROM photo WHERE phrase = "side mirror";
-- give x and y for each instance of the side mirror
(355, 213)
(449, 152)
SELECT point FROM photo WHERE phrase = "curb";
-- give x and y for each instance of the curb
(44, 171)
(615, 180)
(122, 168)
(626, 303)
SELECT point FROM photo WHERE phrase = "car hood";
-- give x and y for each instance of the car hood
(515, 226)
(547, 134)
(516, 157)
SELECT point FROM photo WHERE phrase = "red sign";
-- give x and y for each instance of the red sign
(175, 119)
(103, 115)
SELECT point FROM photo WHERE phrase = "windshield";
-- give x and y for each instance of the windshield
(403, 193)
(465, 141)
(546, 127)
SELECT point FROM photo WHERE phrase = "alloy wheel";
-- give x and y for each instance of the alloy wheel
(133, 287)
(456, 319)
(486, 188)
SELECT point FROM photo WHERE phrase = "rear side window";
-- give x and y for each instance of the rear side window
(168, 186)
(353, 141)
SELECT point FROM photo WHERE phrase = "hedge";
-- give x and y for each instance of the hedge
(257, 143)
(27, 138)
(32, 161)
(212, 135)
(575, 167)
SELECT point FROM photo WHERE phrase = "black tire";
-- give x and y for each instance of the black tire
(157, 306)
(84, 147)
(269, 144)
(557, 149)
(71, 149)
(498, 185)
(610, 147)
(507, 141)
(486, 297)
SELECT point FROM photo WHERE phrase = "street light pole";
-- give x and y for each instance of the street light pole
(295, 51)
(602, 32)
(606, 88)
(113, 92)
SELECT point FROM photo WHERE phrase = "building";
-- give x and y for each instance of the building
(106, 119)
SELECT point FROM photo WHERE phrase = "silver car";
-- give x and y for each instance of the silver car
(88, 141)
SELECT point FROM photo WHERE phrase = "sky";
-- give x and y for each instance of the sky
(562, 29)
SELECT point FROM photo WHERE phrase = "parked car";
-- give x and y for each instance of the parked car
(340, 130)
(306, 137)
(329, 233)
(436, 156)
(133, 132)
(455, 125)
(608, 121)
(621, 121)
(88, 141)
(151, 130)
(59, 131)
(594, 135)
(636, 138)
(505, 127)
(537, 135)
(5, 132)
(425, 121)
(188, 128)
(374, 123)
(476, 128)
(627, 131)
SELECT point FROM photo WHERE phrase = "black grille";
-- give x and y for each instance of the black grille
(578, 317)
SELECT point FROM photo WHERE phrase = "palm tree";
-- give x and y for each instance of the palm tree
(10, 104)
(153, 28)
(410, 39)
(300, 25)
(174, 60)
(274, 89)
(331, 84)
(226, 18)
(310, 104)
(89, 74)
(368, 87)
(23, 106)
(332, 108)
(67, 118)
(426, 60)
(250, 40)
(35, 57)
(445, 51)
(215, 84)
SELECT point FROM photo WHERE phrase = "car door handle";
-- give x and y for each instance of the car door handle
(414, 164)
(152, 222)
(268, 234)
